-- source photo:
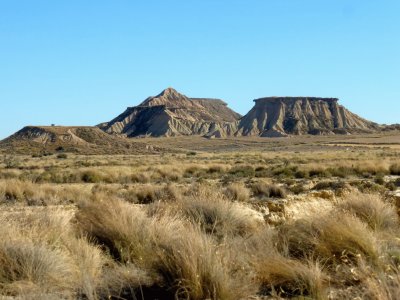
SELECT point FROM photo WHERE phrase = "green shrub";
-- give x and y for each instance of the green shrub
(242, 171)
(320, 173)
(286, 171)
(329, 185)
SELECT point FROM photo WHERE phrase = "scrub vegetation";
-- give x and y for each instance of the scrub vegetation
(206, 226)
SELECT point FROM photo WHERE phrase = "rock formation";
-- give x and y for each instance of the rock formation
(172, 114)
(283, 116)
(79, 139)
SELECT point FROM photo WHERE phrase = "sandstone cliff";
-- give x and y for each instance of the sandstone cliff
(172, 114)
(282, 116)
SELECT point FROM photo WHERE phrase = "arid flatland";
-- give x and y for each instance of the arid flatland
(196, 218)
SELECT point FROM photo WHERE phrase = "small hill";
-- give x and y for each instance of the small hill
(82, 140)
(283, 116)
(172, 114)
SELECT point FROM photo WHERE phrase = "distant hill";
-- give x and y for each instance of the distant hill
(83, 140)
(172, 114)
(283, 116)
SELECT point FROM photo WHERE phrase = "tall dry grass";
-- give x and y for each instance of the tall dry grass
(166, 247)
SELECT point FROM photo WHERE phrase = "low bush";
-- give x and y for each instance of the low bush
(62, 156)
(242, 171)
(91, 176)
(330, 185)
(298, 189)
(262, 189)
(238, 192)
(394, 169)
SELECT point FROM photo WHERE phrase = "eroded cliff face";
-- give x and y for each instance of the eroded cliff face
(282, 116)
(172, 114)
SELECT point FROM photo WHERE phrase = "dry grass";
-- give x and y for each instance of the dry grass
(372, 210)
(42, 255)
(264, 190)
(238, 192)
(28, 193)
(333, 238)
(179, 226)
(167, 247)
(291, 278)
(218, 216)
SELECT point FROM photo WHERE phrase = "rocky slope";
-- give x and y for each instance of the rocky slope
(172, 114)
(84, 140)
(282, 116)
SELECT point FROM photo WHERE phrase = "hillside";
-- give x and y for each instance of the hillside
(83, 140)
(172, 114)
(283, 116)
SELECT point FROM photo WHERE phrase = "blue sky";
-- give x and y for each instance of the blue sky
(75, 62)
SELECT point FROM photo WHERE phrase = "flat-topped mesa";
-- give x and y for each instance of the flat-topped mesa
(291, 99)
(282, 116)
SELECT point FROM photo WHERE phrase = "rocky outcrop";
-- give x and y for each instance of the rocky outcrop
(283, 116)
(78, 139)
(172, 114)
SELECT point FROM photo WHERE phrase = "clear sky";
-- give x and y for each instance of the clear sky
(82, 62)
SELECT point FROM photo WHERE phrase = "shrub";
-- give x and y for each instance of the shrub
(298, 189)
(62, 156)
(194, 171)
(216, 169)
(91, 176)
(262, 189)
(237, 192)
(394, 169)
(320, 173)
(242, 171)
(285, 171)
(379, 179)
(369, 187)
(302, 174)
(262, 172)
(330, 185)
